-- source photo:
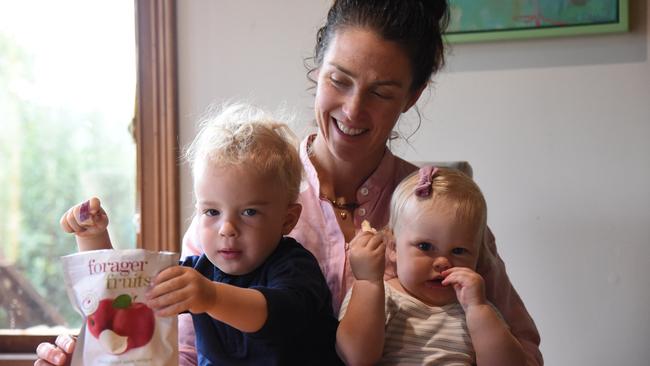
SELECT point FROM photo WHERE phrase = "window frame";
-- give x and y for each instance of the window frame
(156, 129)
(156, 135)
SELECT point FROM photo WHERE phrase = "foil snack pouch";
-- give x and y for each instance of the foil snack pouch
(108, 288)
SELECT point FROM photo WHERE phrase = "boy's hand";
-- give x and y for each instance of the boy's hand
(177, 289)
(469, 286)
(87, 219)
(368, 256)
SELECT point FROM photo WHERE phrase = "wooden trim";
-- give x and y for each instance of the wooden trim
(23, 343)
(17, 359)
(157, 126)
(18, 350)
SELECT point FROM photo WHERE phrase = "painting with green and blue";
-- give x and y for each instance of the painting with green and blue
(496, 15)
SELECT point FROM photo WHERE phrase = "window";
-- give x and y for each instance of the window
(66, 137)
(97, 159)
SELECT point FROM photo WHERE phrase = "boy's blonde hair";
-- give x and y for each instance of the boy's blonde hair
(450, 189)
(241, 134)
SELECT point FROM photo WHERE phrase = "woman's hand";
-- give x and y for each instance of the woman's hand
(177, 289)
(56, 354)
(368, 256)
(469, 286)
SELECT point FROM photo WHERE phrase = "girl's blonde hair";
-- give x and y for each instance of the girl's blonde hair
(450, 189)
(241, 134)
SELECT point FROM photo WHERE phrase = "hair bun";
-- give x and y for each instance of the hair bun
(438, 8)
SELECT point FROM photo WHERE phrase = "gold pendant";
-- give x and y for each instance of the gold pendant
(343, 214)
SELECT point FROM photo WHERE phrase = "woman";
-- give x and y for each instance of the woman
(372, 62)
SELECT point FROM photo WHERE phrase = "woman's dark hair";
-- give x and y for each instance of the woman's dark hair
(415, 25)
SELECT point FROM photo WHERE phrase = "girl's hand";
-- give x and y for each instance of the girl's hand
(87, 219)
(368, 256)
(469, 286)
(177, 289)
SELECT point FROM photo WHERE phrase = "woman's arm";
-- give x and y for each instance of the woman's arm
(186, 341)
(500, 292)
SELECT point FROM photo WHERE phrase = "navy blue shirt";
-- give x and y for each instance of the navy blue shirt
(300, 328)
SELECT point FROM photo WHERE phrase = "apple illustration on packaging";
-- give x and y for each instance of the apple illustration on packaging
(120, 324)
(112, 342)
(102, 317)
(134, 321)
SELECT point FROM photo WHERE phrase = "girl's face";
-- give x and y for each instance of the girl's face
(427, 243)
(363, 87)
(242, 216)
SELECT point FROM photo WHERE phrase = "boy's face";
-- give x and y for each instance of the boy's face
(242, 216)
(427, 243)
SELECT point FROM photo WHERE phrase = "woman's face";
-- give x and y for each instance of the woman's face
(364, 84)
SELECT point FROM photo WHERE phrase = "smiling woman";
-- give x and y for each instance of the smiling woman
(69, 83)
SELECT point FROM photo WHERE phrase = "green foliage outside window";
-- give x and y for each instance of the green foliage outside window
(52, 157)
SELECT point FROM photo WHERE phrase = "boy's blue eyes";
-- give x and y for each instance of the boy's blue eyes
(247, 212)
(211, 212)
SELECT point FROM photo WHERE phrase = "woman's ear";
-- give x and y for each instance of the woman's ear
(313, 74)
(414, 98)
(291, 219)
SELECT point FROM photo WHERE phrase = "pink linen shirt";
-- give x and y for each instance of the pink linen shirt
(318, 230)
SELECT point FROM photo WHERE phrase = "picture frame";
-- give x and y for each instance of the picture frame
(496, 20)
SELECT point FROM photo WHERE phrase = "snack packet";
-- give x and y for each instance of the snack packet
(108, 288)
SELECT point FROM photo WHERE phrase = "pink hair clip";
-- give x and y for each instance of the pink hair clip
(423, 189)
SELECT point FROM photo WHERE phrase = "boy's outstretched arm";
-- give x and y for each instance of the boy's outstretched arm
(178, 289)
(493, 342)
(360, 335)
(88, 221)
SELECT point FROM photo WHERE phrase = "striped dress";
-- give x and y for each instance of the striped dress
(419, 334)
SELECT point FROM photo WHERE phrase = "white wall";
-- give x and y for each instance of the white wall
(558, 132)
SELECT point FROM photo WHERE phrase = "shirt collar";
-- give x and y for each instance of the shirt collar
(368, 190)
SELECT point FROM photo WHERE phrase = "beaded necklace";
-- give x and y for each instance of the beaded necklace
(342, 206)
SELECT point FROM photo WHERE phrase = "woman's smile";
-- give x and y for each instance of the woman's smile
(348, 131)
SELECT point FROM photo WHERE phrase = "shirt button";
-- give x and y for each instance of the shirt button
(364, 191)
(362, 212)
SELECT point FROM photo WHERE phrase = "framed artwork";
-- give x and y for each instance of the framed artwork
(491, 20)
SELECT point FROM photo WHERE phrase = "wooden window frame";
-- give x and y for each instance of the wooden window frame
(156, 134)
(157, 126)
